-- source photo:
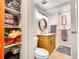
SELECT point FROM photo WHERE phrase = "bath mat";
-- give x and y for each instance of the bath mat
(64, 49)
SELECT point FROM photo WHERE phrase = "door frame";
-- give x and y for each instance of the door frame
(27, 29)
(27, 51)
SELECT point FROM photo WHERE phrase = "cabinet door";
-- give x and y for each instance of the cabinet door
(1, 29)
(51, 45)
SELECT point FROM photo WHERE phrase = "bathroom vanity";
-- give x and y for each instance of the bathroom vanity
(47, 41)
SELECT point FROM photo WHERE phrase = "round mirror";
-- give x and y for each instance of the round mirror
(43, 24)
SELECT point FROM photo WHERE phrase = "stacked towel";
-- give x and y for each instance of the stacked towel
(13, 37)
(8, 19)
(15, 5)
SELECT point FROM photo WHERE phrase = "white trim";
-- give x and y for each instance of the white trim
(27, 30)
(74, 25)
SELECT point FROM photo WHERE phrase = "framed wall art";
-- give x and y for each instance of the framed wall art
(64, 20)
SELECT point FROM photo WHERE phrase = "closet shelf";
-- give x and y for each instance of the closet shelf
(13, 12)
(12, 45)
(11, 27)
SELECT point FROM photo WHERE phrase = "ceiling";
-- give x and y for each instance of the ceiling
(48, 5)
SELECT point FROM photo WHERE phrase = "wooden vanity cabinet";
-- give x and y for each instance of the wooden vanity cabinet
(47, 42)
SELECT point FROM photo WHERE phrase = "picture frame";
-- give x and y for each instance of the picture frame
(64, 20)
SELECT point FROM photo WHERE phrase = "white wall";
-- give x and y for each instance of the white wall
(38, 16)
(72, 26)
(55, 20)
(68, 18)
(69, 40)
(52, 20)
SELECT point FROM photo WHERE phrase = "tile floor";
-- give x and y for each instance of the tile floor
(59, 55)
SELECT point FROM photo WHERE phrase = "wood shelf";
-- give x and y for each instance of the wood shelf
(12, 45)
(13, 12)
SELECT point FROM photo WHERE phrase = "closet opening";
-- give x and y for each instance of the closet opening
(12, 29)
